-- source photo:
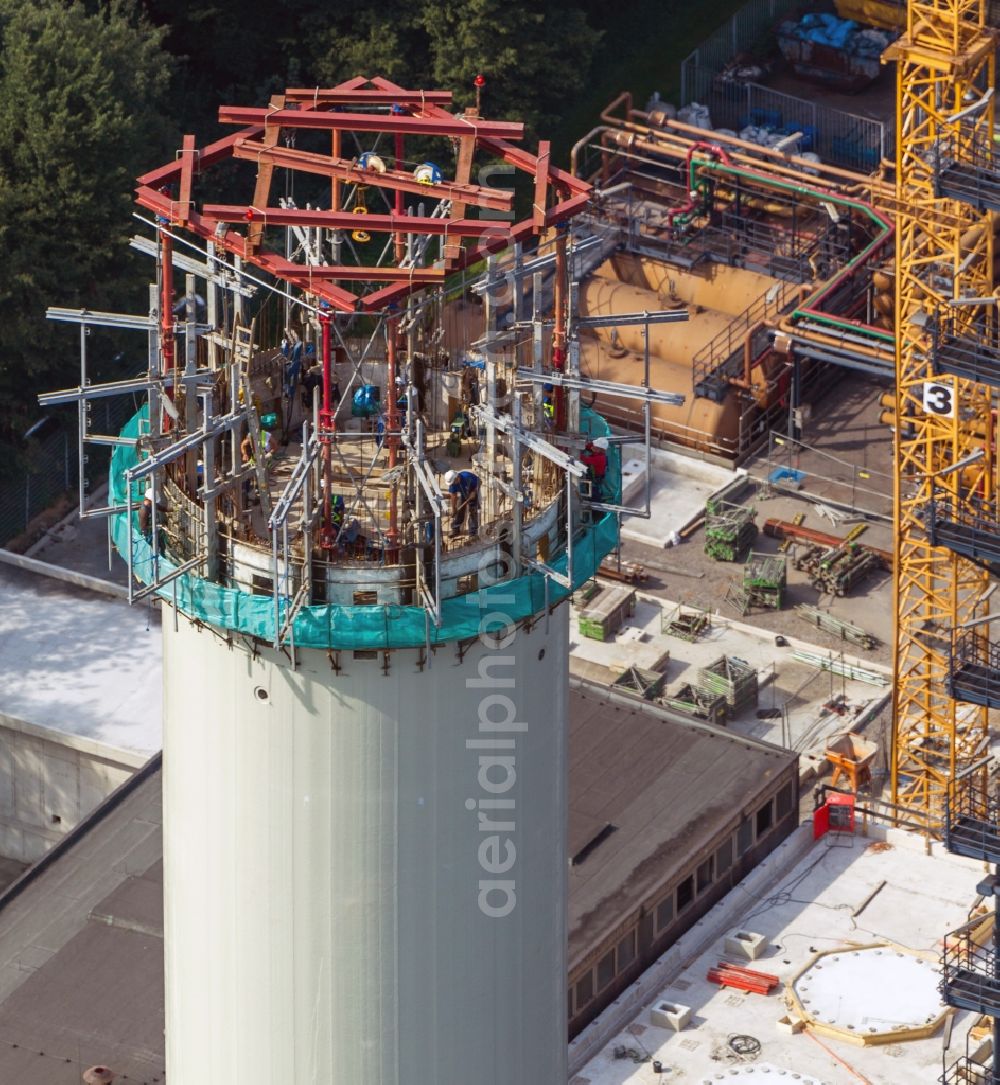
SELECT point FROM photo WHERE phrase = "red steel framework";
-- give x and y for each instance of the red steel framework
(393, 111)
(370, 108)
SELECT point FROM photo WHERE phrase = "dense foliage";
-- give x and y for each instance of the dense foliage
(91, 92)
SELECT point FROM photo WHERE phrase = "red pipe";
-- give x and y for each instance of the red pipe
(167, 314)
(709, 148)
(392, 434)
(559, 332)
(399, 245)
(327, 425)
(780, 529)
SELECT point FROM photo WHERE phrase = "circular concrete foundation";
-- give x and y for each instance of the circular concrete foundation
(871, 994)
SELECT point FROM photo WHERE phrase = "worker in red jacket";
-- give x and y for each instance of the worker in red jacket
(595, 458)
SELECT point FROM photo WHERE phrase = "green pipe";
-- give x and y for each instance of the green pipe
(806, 309)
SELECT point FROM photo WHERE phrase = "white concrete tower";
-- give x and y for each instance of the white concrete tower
(365, 671)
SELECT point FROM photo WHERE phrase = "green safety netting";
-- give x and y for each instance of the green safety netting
(357, 627)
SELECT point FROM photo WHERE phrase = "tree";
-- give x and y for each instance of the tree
(82, 112)
(534, 57)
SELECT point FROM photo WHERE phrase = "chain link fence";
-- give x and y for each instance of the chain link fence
(838, 137)
(44, 468)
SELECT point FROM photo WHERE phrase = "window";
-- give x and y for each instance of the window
(744, 836)
(365, 653)
(626, 949)
(724, 857)
(685, 893)
(705, 875)
(366, 598)
(665, 914)
(261, 585)
(785, 801)
(765, 818)
(584, 990)
(605, 970)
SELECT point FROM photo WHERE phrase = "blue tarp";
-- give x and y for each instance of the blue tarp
(331, 626)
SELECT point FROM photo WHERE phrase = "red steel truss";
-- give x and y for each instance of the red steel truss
(368, 108)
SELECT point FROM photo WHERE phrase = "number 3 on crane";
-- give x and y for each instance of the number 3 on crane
(939, 399)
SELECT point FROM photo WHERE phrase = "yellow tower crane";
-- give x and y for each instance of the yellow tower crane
(947, 375)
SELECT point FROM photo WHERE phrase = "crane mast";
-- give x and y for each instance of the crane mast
(947, 375)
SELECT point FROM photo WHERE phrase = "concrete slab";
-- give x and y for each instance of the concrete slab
(679, 489)
(80, 662)
(819, 904)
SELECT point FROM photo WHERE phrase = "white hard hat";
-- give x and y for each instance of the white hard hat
(449, 477)
(601, 442)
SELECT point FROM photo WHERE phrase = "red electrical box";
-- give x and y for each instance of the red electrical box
(837, 813)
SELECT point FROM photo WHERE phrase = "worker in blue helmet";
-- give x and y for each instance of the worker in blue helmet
(464, 489)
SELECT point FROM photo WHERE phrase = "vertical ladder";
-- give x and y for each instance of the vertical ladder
(242, 354)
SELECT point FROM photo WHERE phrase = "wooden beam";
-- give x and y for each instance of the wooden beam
(265, 170)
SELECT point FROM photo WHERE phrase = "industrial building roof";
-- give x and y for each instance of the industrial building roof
(841, 892)
(667, 787)
(81, 949)
(79, 661)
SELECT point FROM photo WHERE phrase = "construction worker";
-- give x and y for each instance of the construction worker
(595, 458)
(464, 489)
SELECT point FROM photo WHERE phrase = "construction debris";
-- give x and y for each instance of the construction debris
(729, 530)
(686, 622)
(836, 570)
(837, 626)
(631, 572)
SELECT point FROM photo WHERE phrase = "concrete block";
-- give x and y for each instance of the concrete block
(789, 1026)
(746, 944)
(670, 1015)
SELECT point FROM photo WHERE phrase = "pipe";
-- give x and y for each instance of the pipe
(559, 330)
(392, 428)
(581, 143)
(167, 318)
(327, 424)
(780, 529)
(399, 242)
(887, 230)
(688, 208)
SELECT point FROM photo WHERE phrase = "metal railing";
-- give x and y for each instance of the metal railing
(969, 976)
(975, 669)
(974, 532)
(728, 344)
(968, 349)
(839, 138)
(965, 1071)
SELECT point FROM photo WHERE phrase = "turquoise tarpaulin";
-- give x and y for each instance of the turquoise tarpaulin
(357, 627)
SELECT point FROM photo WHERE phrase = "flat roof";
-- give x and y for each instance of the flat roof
(81, 952)
(842, 892)
(668, 787)
(80, 662)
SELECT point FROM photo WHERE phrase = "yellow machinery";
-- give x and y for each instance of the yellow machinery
(947, 372)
